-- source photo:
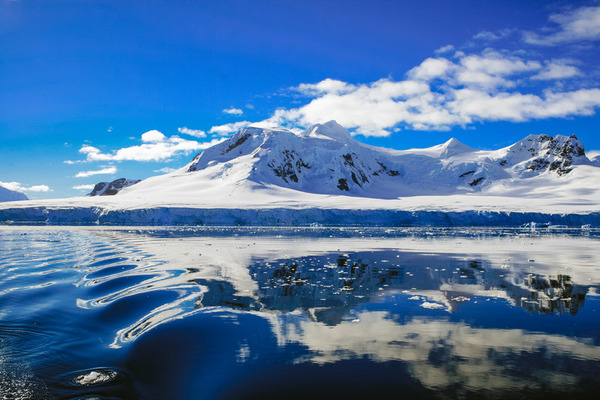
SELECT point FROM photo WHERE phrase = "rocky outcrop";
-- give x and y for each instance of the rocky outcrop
(112, 188)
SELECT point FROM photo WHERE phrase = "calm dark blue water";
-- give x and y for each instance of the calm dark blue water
(243, 313)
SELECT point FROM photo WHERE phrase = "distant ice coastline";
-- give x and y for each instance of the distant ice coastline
(186, 216)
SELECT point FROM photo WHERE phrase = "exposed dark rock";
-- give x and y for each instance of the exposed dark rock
(238, 142)
(384, 169)
(561, 167)
(348, 160)
(538, 164)
(290, 167)
(476, 181)
(466, 173)
(112, 188)
(343, 184)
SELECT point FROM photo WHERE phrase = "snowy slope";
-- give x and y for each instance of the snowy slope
(11, 195)
(275, 176)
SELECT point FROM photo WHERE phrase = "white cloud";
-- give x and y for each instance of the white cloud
(83, 187)
(192, 132)
(492, 69)
(37, 188)
(224, 130)
(104, 171)
(431, 68)
(233, 111)
(555, 70)
(325, 86)
(156, 147)
(18, 187)
(153, 136)
(445, 49)
(165, 170)
(441, 93)
(574, 25)
(476, 105)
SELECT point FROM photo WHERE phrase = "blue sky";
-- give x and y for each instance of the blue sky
(96, 90)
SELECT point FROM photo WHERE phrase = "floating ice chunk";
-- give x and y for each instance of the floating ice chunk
(95, 377)
(432, 306)
(461, 298)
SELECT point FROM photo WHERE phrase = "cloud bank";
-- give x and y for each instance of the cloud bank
(570, 26)
(155, 147)
(443, 92)
(18, 187)
(458, 89)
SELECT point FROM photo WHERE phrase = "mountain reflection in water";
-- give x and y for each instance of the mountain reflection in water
(192, 314)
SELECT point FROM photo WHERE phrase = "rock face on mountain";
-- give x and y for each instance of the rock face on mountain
(112, 188)
(11, 195)
(540, 153)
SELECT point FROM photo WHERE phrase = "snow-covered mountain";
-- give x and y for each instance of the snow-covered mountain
(11, 195)
(322, 175)
(326, 160)
(112, 188)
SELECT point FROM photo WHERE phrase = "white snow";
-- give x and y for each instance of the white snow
(324, 168)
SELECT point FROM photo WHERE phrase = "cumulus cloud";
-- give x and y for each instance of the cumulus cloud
(192, 132)
(440, 93)
(110, 170)
(430, 69)
(153, 136)
(573, 25)
(83, 187)
(557, 70)
(233, 111)
(37, 188)
(155, 147)
(325, 86)
(18, 187)
(226, 129)
(491, 69)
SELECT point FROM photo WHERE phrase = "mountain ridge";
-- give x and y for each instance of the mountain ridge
(324, 159)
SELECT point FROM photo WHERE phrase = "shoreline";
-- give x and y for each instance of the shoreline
(287, 217)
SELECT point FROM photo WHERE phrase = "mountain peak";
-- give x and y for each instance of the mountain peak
(453, 147)
(330, 130)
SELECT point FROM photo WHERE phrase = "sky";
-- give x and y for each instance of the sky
(95, 90)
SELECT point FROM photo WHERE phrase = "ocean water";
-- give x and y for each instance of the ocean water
(268, 313)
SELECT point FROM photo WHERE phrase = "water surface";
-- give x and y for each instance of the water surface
(244, 313)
